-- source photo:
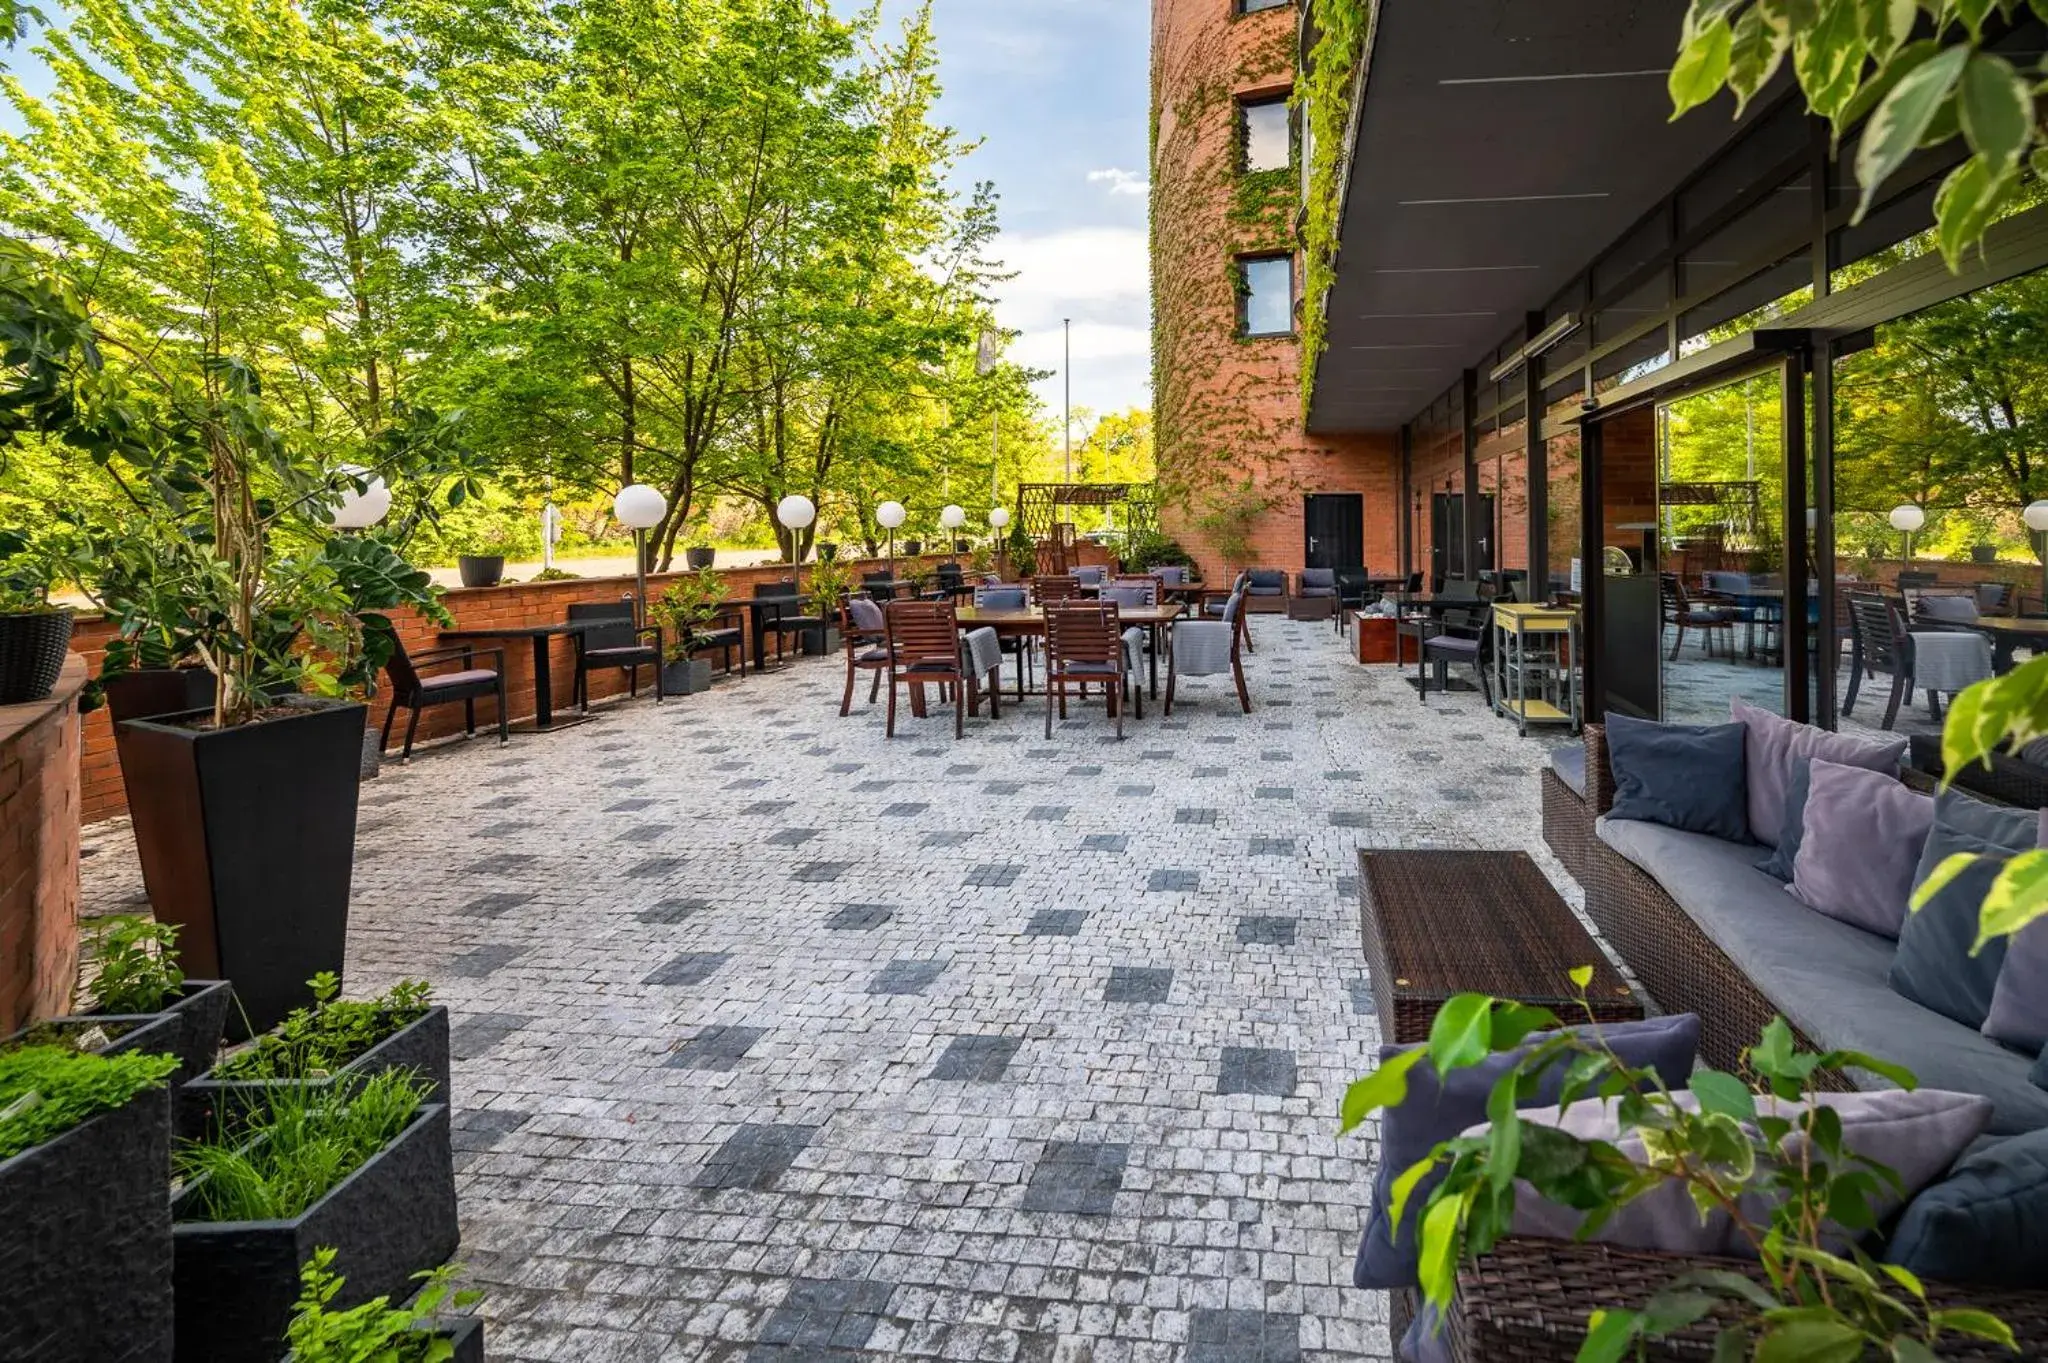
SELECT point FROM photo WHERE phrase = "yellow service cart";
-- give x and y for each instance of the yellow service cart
(1536, 664)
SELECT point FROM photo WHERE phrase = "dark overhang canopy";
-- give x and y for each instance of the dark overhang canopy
(1501, 145)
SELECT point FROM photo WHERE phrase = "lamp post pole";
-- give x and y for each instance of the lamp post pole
(1067, 422)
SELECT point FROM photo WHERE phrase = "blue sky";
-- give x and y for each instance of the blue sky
(1058, 93)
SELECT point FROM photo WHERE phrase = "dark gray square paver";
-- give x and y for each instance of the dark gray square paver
(494, 905)
(715, 1048)
(1266, 932)
(1253, 1069)
(481, 1128)
(655, 866)
(1219, 1336)
(904, 809)
(1361, 998)
(905, 977)
(1195, 816)
(504, 864)
(672, 911)
(1138, 984)
(478, 1032)
(1272, 847)
(949, 838)
(822, 1319)
(860, 917)
(478, 962)
(646, 832)
(1105, 842)
(628, 806)
(821, 872)
(791, 837)
(1347, 818)
(1047, 813)
(692, 967)
(1182, 881)
(1274, 793)
(977, 1059)
(763, 808)
(1056, 923)
(1079, 1178)
(993, 876)
(755, 1156)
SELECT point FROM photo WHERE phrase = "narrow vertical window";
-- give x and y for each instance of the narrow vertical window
(1265, 134)
(1266, 288)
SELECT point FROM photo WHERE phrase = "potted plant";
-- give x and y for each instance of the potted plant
(1983, 553)
(364, 1168)
(682, 611)
(85, 1164)
(1022, 551)
(486, 567)
(912, 548)
(981, 560)
(828, 551)
(137, 979)
(920, 576)
(244, 814)
(699, 557)
(35, 636)
(377, 1331)
(330, 1041)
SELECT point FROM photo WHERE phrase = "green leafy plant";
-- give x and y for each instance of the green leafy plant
(318, 1040)
(1233, 510)
(297, 1143)
(31, 565)
(981, 560)
(920, 575)
(1022, 550)
(830, 581)
(47, 1090)
(376, 1331)
(1775, 1167)
(684, 609)
(1147, 549)
(556, 575)
(138, 965)
(1918, 69)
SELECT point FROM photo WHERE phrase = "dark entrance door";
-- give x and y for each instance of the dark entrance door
(1447, 557)
(1334, 526)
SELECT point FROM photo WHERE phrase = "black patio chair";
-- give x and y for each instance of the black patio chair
(1464, 638)
(783, 613)
(613, 641)
(727, 637)
(1879, 642)
(413, 689)
(1354, 586)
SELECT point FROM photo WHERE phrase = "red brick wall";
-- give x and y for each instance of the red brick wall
(1227, 408)
(39, 770)
(484, 608)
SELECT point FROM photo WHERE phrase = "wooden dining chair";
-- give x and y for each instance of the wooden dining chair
(866, 634)
(924, 648)
(1051, 588)
(1084, 645)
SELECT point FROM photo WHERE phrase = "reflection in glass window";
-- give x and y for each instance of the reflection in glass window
(1265, 134)
(1254, 6)
(1268, 308)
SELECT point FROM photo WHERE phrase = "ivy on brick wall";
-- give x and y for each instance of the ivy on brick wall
(1323, 92)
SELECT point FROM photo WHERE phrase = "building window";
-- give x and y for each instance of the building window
(1266, 287)
(1254, 6)
(1265, 134)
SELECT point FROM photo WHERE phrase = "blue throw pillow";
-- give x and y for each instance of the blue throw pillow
(1792, 832)
(1986, 1224)
(2040, 1074)
(1436, 1111)
(1934, 967)
(1684, 776)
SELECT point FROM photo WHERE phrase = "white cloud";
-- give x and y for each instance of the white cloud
(1121, 181)
(1099, 277)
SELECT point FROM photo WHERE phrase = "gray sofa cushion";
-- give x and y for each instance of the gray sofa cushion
(1828, 978)
(1569, 762)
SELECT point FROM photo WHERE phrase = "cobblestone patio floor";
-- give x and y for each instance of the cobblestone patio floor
(777, 1040)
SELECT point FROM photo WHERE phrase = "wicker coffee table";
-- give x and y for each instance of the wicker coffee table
(1437, 924)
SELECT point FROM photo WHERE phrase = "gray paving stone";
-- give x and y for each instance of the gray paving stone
(1181, 881)
(756, 1156)
(715, 1048)
(479, 1032)
(1056, 923)
(478, 962)
(1251, 1069)
(646, 832)
(860, 917)
(628, 806)
(791, 837)
(976, 1059)
(821, 1320)
(672, 911)
(655, 867)
(906, 977)
(821, 872)
(1080, 1178)
(495, 905)
(1362, 1001)
(1138, 984)
(1272, 847)
(1195, 816)
(1218, 1335)
(1266, 931)
(692, 967)
(1105, 842)
(993, 876)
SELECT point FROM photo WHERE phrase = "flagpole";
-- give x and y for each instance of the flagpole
(1067, 326)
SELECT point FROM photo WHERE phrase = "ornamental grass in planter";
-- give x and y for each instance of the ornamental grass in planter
(333, 1039)
(362, 1167)
(377, 1331)
(85, 1247)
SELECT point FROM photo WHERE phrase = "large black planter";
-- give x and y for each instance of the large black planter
(247, 840)
(480, 570)
(198, 1018)
(699, 559)
(686, 678)
(151, 691)
(33, 646)
(85, 1245)
(393, 1217)
(420, 1046)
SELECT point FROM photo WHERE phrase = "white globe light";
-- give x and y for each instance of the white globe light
(999, 517)
(952, 517)
(1908, 518)
(889, 515)
(795, 511)
(361, 510)
(639, 507)
(2037, 516)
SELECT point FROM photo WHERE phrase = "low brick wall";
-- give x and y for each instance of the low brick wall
(39, 819)
(506, 607)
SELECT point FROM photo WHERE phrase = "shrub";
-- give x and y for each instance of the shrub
(376, 1331)
(314, 1042)
(138, 966)
(47, 1090)
(301, 1142)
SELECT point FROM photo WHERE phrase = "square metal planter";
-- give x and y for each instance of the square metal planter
(237, 1281)
(85, 1245)
(420, 1046)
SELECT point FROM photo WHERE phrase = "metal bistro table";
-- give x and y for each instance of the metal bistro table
(543, 670)
(1017, 623)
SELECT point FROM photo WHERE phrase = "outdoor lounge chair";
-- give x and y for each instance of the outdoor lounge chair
(414, 690)
(1209, 648)
(1265, 591)
(1083, 644)
(613, 641)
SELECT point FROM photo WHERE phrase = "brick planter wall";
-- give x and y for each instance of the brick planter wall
(505, 607)
(39, 817)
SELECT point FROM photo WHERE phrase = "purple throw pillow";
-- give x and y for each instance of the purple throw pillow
(1864, 834)
(1772, 748)
(2019, 1003)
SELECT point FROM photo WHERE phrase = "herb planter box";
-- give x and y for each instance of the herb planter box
(197, 1018)
(420, 1046)
(466, 1335)
(686, 679)
(85, 1246)
(247, 841)
(237, 1281)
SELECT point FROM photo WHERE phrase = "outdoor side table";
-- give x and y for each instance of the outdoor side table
(1535, 664)
(1373, 637)
(1441, 923)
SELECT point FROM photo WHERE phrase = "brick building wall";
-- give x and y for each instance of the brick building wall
(1227, 409)
(39, 817)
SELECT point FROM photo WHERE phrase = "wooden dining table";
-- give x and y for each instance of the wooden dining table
(2008, 634)
(1031, 622)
